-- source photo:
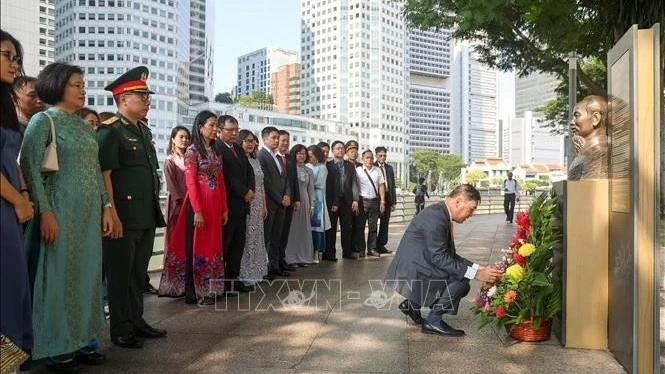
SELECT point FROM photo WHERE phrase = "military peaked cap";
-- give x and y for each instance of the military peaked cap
(134, 80)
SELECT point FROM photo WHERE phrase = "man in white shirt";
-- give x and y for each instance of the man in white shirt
(372, 187)
(511, 194)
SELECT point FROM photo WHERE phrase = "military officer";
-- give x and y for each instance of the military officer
(129, 166)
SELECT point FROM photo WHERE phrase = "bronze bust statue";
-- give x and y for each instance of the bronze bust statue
(589, 136)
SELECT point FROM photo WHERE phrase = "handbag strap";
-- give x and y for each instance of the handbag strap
(55, 145)
(371, 181)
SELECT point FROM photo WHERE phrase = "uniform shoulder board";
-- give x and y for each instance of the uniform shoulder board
(110, 120)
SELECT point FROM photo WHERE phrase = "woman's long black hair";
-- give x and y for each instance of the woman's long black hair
(8, 117)
(244, 134)
(174, 132)
(295, 149)
(197, 140)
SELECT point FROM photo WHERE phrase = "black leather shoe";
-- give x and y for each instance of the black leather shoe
(287, 268)
(442, 329)
(333, 259)
(280, 273)
(351, 257)
(64, 367)
(269, 277)
(303, 265)
(373, 254)
(406, 308)
(384, 251)
(127, 341)
(149, 289)
(240, 287)
(92, 359)
(150, 332)
(206, 301)
(361, 254)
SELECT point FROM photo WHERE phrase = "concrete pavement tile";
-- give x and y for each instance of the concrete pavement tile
(114, 367)
(235, 370)
(435, 357)
(283, 323)
(203, 320)
(157, 309)
(357, 353)
(547, 359)
(369, 327)
(273, 352)
(174, 349)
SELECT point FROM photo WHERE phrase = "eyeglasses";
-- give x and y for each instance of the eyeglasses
(144, 96)
(12, 57)
(230, 130)
(79, 86)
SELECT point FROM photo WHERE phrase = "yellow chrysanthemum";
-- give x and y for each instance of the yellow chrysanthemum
(515, 272)
(526, 250)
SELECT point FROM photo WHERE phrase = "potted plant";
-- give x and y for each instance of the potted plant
(527, 297)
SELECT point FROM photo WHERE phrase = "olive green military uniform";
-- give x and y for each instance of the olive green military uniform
(127, 150)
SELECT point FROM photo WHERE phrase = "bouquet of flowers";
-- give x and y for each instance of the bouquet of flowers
(527, 291)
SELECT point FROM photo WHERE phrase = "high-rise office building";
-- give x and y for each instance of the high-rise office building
(353, 70)
(255, 69)
(429, 66)
(200, 52)
(532, 143)
(31, 22)
(474, 105)
(286, 89)
(109, 37)
(533, 91)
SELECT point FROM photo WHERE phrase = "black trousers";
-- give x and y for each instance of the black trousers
(509, 206)
(234, 245)
(384, 221)
(419, 207)
(286, 228)
(126, 264)
(190, 289)
(370, 217)
(358, 228)
(450, 298)
(272, 234)
(343, 216)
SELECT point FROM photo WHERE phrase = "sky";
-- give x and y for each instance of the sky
(243, 26)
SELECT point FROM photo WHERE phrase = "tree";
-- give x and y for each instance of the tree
(223, 97)
(257, 99)
(537, 35)
(425, 162)
(497, 181)
(475, 176)
(450, 166)
(443, 167)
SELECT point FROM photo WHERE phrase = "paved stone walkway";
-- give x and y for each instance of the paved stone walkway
(339, 329)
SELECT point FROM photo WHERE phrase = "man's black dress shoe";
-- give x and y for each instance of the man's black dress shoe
(127, 341)
(92, 359)
(406, 308)
(442, 329)
(269, 277)
(150, 332)
(241, 287)
(373, 254)
(280, 273)
(333, 259)
(287, 268)
(149, 289)
(67, 367)
(384, 251)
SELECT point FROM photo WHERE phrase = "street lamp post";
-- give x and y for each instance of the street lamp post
(572, 100)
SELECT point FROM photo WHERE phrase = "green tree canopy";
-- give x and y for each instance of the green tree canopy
(255, 99)
(439, 166)
(223, 97)
(475, 176)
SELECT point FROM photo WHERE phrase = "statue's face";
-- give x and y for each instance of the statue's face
(582, 122)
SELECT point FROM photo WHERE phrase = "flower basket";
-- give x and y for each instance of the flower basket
(525, 332)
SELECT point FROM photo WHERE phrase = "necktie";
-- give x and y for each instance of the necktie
(283, 160)
(340, 168)
(233, 151)
(385, 179)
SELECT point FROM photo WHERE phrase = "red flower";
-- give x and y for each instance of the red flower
(519, 259)
(522, 219)
(500, 312)
(480, 302)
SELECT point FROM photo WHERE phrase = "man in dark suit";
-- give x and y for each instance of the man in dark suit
(277, 198)
(426, 269)
(239, 181)
(358, 219)
(391, 199)
(348, 201)
(292, 181)
(332, 202)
